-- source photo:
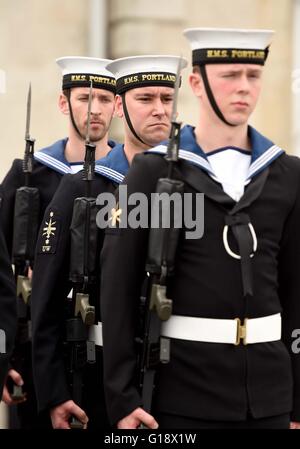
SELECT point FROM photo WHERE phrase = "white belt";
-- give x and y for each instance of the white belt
(255, 330)
(95, 334)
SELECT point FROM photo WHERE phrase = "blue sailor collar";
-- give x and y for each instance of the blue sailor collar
(114, 165)
(264, 152)
(54, 156)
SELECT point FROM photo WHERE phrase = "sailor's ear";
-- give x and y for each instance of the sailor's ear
(63, 104)
(196, 82)
(118, 107)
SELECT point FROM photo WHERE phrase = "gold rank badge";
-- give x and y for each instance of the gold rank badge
(115, 215)
(48, 233)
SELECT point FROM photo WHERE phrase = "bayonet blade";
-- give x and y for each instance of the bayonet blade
(174, 139)
(87, 139)
(28, 113)
(176, 91)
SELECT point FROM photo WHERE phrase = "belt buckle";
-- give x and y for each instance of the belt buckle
(241, 332)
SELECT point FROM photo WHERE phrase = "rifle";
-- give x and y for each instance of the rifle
(25, 231)
(159, 266)
(83, 275)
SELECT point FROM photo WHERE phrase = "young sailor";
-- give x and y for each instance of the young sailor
(235, 291)
(49, 166)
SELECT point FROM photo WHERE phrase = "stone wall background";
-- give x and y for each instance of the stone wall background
(34, 33)
(141, 27)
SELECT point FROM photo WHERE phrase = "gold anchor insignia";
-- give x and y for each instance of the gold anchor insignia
(115, 215)
(49, 230)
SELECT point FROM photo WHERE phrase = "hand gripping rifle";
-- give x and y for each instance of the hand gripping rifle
(25, 230)
(160, 265)
(83, 274)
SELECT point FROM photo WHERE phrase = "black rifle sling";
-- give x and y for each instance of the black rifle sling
(84, 241)
(26, 224)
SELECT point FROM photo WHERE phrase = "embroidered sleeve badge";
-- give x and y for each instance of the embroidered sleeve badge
(115, 215)
(49, 234)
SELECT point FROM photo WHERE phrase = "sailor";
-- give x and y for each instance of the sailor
(145, 107)
(49, 166)
(235, 290)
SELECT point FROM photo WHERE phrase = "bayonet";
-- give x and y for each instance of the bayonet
(176, 92)
(28, 113)
(87, 138)
(173, 145)
(90, 148)
(29, 146)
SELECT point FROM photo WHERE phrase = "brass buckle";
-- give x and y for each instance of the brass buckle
(241, 331)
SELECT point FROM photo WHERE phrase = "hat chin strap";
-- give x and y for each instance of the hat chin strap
(72, 116)
(211, 97)
(129, 123)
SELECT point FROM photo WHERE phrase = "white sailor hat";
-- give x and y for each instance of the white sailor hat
(149, 70)
(79, 71)
(227, 45)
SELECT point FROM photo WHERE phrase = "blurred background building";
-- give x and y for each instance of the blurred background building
(34, 33)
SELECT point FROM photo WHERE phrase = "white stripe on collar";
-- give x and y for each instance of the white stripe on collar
(110, 173)
(264, 160)
(52, 162)
(186, 155)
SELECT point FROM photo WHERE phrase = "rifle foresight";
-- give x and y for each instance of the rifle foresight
(89, 162)
(174, 142)
(28, 156)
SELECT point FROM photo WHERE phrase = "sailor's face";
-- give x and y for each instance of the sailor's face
(102, 108)
(150, 110)
(236, 88)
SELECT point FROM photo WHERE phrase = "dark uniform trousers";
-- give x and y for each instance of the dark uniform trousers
(210, 381)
